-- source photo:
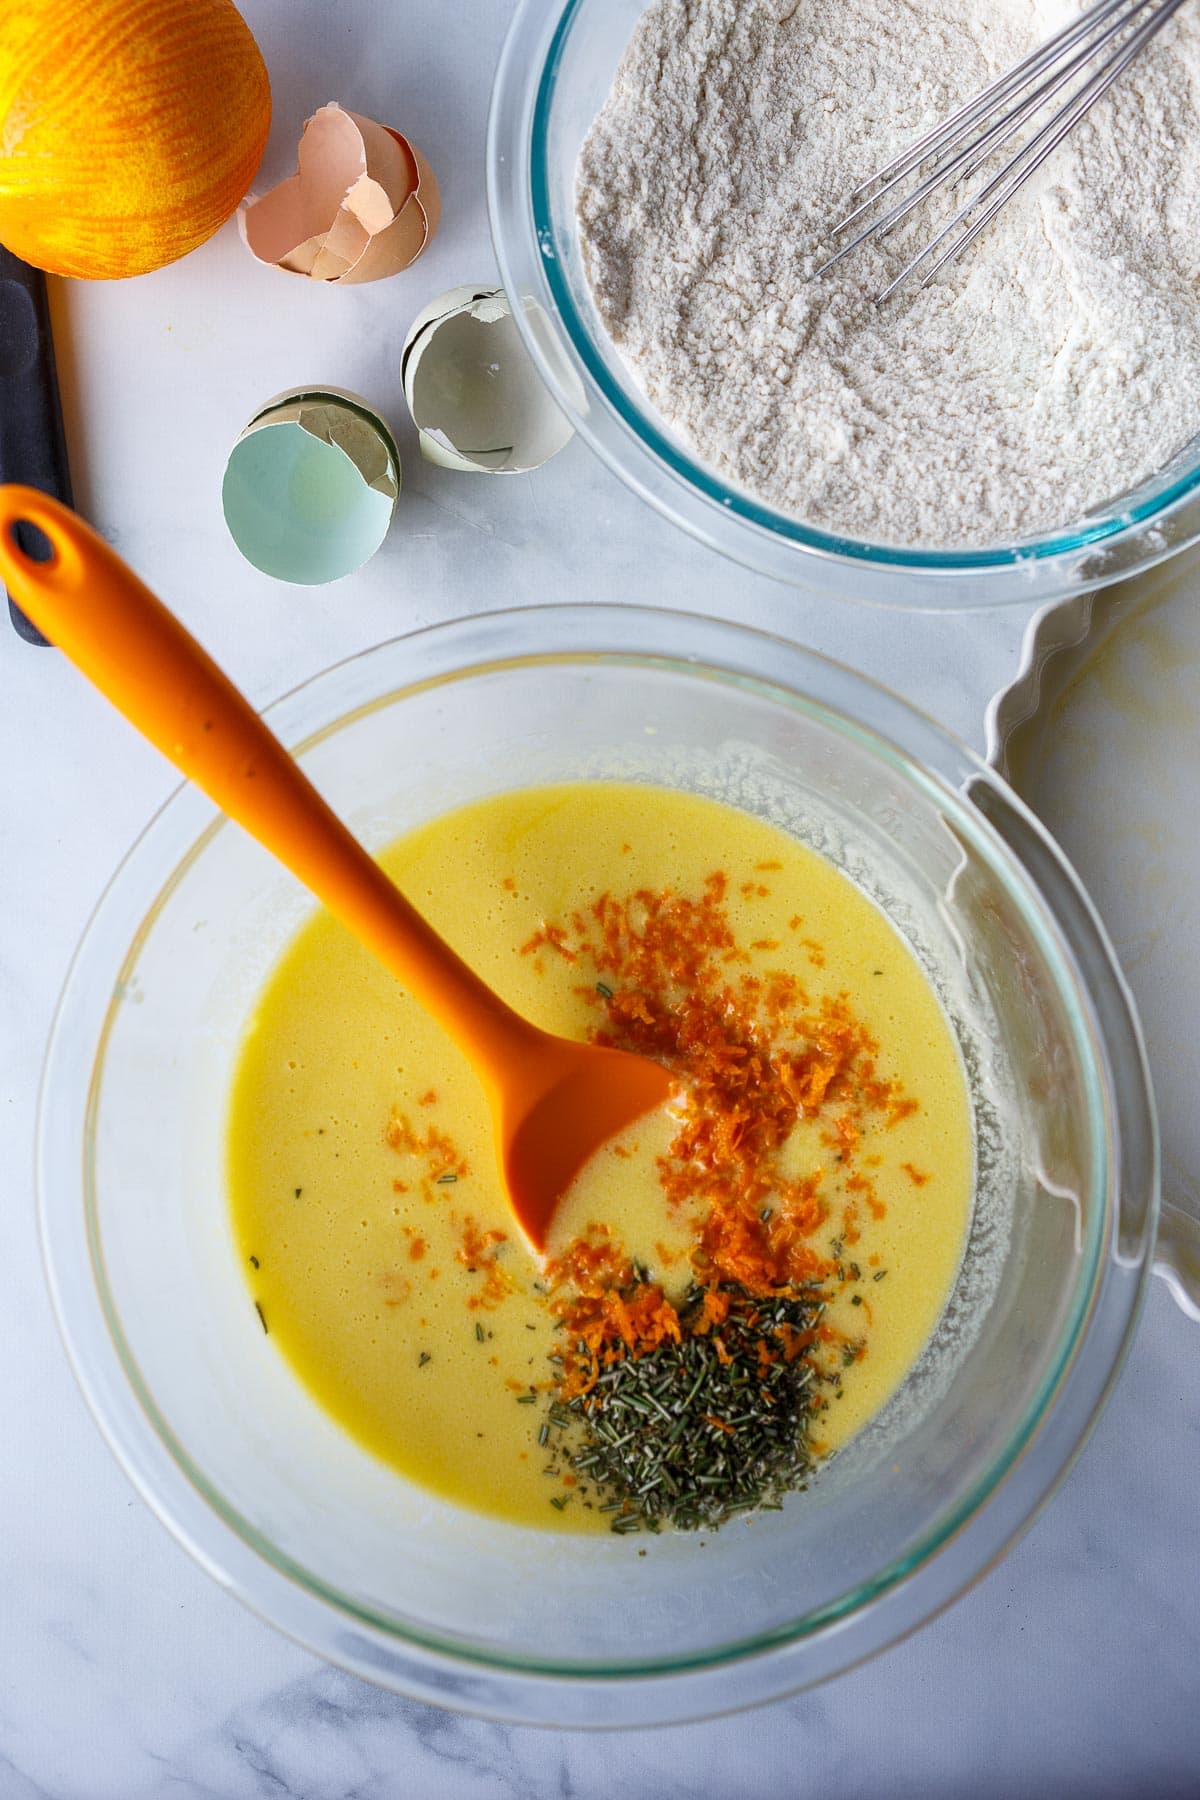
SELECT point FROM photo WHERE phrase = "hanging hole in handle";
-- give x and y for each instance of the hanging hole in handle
(44, 547)
(27, 544)
(32, 541)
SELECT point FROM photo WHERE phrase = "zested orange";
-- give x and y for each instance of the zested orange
(129, 129)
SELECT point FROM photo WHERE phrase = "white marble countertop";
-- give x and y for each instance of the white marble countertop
(1073, 1669)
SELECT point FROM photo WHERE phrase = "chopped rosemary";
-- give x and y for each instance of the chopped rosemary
(254, 1263)
(262, 1317)
(603, 989)
(879, 1276)
(479, 1332)
(695, 1431)
(299, 1191)
(447, 1180)
(423, 1359)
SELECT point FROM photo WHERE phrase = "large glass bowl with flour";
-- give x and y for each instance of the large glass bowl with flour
(459, 1609)
(555, 74)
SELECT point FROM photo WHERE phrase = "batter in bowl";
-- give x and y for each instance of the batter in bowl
(378, 1249)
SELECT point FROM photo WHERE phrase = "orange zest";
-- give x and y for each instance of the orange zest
(755, 1057)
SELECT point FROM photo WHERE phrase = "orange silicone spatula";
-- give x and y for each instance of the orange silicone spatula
(554, 1102)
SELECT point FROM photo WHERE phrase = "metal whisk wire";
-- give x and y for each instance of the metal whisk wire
(1093, 31)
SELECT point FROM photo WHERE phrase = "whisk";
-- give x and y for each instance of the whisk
(972, 135)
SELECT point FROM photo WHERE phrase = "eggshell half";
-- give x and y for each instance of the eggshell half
(362, 204)
(476, 399)
(311, 486)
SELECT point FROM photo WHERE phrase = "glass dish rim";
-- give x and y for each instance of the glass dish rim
(1031, 570)
(186, 801)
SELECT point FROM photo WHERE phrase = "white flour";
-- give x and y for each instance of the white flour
(1053, 368)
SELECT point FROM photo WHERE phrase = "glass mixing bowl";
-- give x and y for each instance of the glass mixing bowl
(554, 75)
(456, 1608)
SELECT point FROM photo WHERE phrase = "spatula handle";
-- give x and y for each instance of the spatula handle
(109, 624)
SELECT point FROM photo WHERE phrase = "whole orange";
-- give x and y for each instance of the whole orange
(129, 129)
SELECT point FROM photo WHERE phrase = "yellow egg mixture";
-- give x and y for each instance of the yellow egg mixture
(365, 1197)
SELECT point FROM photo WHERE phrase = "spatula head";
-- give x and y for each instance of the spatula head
(588, 1095)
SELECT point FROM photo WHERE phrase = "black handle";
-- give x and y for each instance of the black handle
(33, 445)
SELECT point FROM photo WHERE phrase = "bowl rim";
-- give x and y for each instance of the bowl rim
(954, 1551)
(624, 431)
